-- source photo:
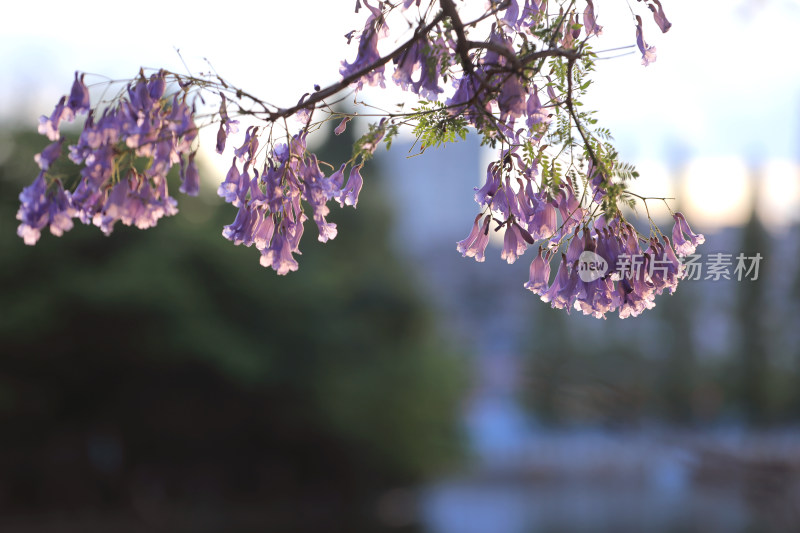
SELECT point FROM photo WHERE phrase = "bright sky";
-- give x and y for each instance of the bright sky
(725, 87)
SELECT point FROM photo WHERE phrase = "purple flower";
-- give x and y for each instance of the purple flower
(511, 99)
(263, 234)
(576, 247)
(589, 22)
(327, 230)
(190, 179)
(632, 302)
(342, 125)
(475, 244)
(49, 125)
(648, 52)
(61, 211)
(79, 96)
(569, 207)
(349, 194)
(46, 158)
(180, 121)
(469, 99)
(545, 220)
(514, 244)
(596, 181)
(493, 182)
(226, 125)
(561, 280)
(536, 113)
(367, 53)
(247, 151)
(660, 17)
(34, 211)
(425, 57)
(598, 298)
(531, 12)
(335, 182)
(665, 269)
(242, 229)
(682, 245)
(512, 14)
(279, 256)
(231, 189)
(539, 275)
(118, 206)
(407, 63)
(462, 246)
(157, 85)
(569, 35)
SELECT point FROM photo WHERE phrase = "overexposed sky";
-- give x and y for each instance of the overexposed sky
(725, 84)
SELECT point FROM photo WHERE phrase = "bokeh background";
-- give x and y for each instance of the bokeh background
(164, 381)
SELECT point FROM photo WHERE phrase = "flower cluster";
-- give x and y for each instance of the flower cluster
(621, 283)
(271, 213)
(556, 181)
(557, 217)
(125, 155)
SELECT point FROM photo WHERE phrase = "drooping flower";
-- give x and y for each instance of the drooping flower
(512, 14)
(659, 16)
(61, 211)
(569, 289)
(263, 234)
(49, 125)
(514, 244)
(226, 125)
(48, 155)
(648, 52)
(190, 179)
(684, 246)
(349, 194)
(342, 125)
(484, 194)
(278, 255)
(535, 111)
(539, 275)
(589, 22)
(242, 229)
(596, 180)
(367, 53)
(665, 269)
(34, 211)
(511, 99)
(79, 96)
(469, 99)
(544, 222)
(425, 57)
(475, 244)
(570, 208)
(231, 189)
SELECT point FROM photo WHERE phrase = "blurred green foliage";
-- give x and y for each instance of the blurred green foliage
(208, 377)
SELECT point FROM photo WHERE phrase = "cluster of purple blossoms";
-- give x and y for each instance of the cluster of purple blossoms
(271, 214)
(628, 284)
(532, 210)
(374, 29)
(628, 277)
(494, 88)
(144, 126)
(127, 150)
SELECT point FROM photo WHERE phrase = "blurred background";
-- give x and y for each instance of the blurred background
(164, 381)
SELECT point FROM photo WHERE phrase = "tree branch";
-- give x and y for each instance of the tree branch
(449, 9)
